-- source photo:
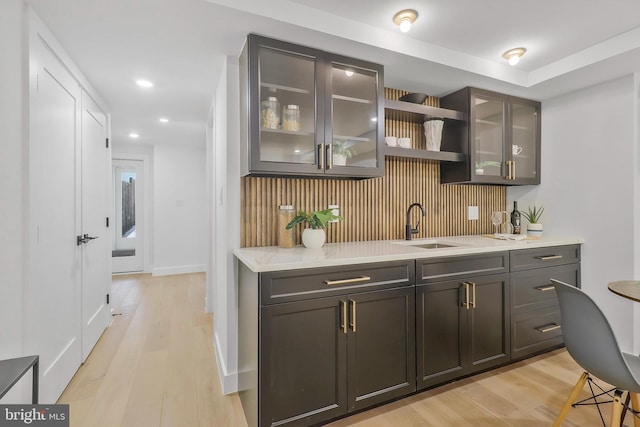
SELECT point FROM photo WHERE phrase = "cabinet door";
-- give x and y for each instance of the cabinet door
(524, 117)
(381, 346)
(303, 362)
(488, 136)
(489, 322)
(283, 76)
(441, 330)
(352, 129)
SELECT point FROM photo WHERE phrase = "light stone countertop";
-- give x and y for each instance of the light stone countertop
(273, 258)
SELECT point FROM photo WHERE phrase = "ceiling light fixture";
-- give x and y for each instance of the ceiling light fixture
(164, 120)
(405, 18)
(348, 73)
(514, 55)
(144, 83)
(134, 135)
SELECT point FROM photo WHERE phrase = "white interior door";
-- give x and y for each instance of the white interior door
(53, 278)
(128, 231)
(96, 276)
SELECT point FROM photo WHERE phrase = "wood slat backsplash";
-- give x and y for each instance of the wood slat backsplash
(373, 209)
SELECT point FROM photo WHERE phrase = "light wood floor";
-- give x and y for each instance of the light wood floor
(155, 366)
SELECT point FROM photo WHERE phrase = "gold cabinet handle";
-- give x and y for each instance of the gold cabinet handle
(320, 157)
(513, 170)
(329, 156)
(343, 324)
(548, 257)
(466, 302)
(546, 288)
(473, 293)
(345, 281)
(353, 315)
(548, 328)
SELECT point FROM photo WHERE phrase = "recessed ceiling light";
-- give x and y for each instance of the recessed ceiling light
(348, 73)
(405, 18)
(164, 120)
(514, 55)
(297, 150)
(134, 135)
(144, 83)
(374, 119)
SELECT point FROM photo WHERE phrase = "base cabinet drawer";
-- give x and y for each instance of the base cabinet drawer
(535, 331)
(525, 259)
(533, 289)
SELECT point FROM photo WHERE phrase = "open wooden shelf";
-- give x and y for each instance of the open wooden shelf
(418, 113)
(443, 156)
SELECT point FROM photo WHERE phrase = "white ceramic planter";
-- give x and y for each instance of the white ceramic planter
(534, 230)
(339, 159)
(313, 239)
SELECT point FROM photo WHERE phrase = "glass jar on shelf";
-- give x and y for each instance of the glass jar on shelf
(271, 113)
(291, 118)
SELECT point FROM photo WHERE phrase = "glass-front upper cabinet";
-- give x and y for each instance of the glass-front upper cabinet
(525, 140)
(488, 116)
(354, 130)
(501, 142)
(303, 112)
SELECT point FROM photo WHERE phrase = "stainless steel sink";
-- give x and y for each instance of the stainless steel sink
(426, 244)
(435, 245)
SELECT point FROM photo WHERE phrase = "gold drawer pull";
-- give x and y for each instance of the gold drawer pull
(549, 328)
(546, 288)
(345, 281)
(548, 257)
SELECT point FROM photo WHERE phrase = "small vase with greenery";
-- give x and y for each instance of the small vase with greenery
(533, 216)
(315, 236)
(342, 151)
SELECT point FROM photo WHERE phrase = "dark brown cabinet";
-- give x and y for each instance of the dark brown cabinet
(500, 141)
(330, 341)
(305, 112)
(462, 325)
(535, 315)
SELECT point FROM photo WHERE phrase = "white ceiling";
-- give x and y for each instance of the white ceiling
(180, 45)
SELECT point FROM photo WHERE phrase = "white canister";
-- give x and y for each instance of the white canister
(433, 134)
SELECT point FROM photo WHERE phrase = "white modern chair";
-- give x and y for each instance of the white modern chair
(591, 342)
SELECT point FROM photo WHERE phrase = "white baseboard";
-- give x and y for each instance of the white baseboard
(181, 269)
(228, 381)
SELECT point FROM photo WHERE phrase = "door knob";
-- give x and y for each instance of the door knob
(84, 239)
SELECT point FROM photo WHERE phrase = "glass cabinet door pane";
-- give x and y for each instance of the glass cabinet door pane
(354, 109)
(287, 107)
(524, 120)
(489, 135)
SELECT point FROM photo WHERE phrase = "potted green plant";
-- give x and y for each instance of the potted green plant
(342, 151)
(315, 236)
(533, 216)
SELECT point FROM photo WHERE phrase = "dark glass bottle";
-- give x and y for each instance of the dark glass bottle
(515, 218)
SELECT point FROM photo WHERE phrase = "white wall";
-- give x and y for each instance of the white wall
(179, 209)
(587, 188)
(226, 233)
(12, 79)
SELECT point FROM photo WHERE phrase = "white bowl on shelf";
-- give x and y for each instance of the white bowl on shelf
(404, 142)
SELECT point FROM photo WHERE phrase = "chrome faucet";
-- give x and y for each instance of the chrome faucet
(409, 230)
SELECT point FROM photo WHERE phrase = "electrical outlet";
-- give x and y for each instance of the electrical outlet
(335, 209)
(472, 213)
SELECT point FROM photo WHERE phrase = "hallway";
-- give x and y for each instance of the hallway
(155, 365)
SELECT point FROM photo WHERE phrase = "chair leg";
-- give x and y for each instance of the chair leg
(635, 405)
(572, 398)
(616, 410)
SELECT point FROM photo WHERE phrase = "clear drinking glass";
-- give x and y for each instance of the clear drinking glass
(496, 220)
